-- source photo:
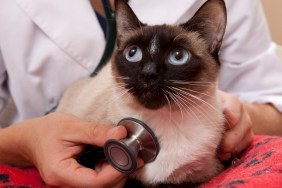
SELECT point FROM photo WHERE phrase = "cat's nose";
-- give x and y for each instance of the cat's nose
(149, 71)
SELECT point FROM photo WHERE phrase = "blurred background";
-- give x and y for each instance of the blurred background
(273, 11)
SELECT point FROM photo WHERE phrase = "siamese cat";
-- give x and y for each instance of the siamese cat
(165, 76)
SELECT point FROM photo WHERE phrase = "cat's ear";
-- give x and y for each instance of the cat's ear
(210, 22)
(126, 20)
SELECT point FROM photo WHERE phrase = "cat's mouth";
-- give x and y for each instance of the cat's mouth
(151, 98)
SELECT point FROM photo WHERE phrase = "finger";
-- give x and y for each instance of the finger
(237, 139)
(247, 140)
(109, 176)
(231, 117)
(99, 134)
(81, 131)
(120, 184)
(234, 136)
(232, 109)
(75, 175)
(68, 173)
(140, 163)
(237, 149)
(224, 156)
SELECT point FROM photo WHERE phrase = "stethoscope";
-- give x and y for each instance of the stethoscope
(122, 154)
(140, 141)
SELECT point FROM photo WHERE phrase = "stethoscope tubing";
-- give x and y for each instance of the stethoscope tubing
(110, 37)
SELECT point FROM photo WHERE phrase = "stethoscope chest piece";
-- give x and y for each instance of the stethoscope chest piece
(140, 142)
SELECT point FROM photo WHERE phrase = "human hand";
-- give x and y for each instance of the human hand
(54, 142)
(238, 125)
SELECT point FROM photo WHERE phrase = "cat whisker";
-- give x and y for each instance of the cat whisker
(121, 77)
(193, 83)
(184, 103)
(193, 96)
(185, 100)
(166, 95)
(121, 85)
(118, 88)
(191, 90)
(181, 81)
(187, 106)
(176, 102)
(210, 106)
(198, 107)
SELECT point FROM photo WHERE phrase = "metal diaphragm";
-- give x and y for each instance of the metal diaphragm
(140, 142)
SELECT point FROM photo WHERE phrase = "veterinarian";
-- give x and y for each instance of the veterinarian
(46, 45)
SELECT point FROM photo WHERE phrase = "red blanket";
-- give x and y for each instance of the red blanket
(259, 166)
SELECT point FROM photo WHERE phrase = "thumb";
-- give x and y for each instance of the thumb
(78, 176)
(94, 134)
(231, 109)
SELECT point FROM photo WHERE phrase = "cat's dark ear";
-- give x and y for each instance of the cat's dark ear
(126, 20)
(210, 22)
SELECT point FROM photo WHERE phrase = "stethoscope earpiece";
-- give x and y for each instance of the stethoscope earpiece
(140, 142)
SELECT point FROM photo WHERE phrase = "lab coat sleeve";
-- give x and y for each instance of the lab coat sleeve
(3, 84)
(250, 66)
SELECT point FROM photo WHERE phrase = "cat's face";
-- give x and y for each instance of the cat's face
(167, 65)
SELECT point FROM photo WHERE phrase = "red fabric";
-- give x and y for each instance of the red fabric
(259, 166)
(13, 177)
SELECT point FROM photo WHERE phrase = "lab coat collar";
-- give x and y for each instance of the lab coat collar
(72, 25)
(165, 11)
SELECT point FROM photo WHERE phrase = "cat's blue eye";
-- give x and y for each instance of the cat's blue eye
(178, 56)
(133, 53)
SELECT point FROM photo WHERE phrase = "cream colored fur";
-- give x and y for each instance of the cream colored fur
(188, 143)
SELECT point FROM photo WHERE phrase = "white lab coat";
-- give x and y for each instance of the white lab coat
(45, 45)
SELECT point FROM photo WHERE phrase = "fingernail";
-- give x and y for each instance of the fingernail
(235, 152)
(113, 131)
(119, 131)
(140, 163)
(225, 156)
